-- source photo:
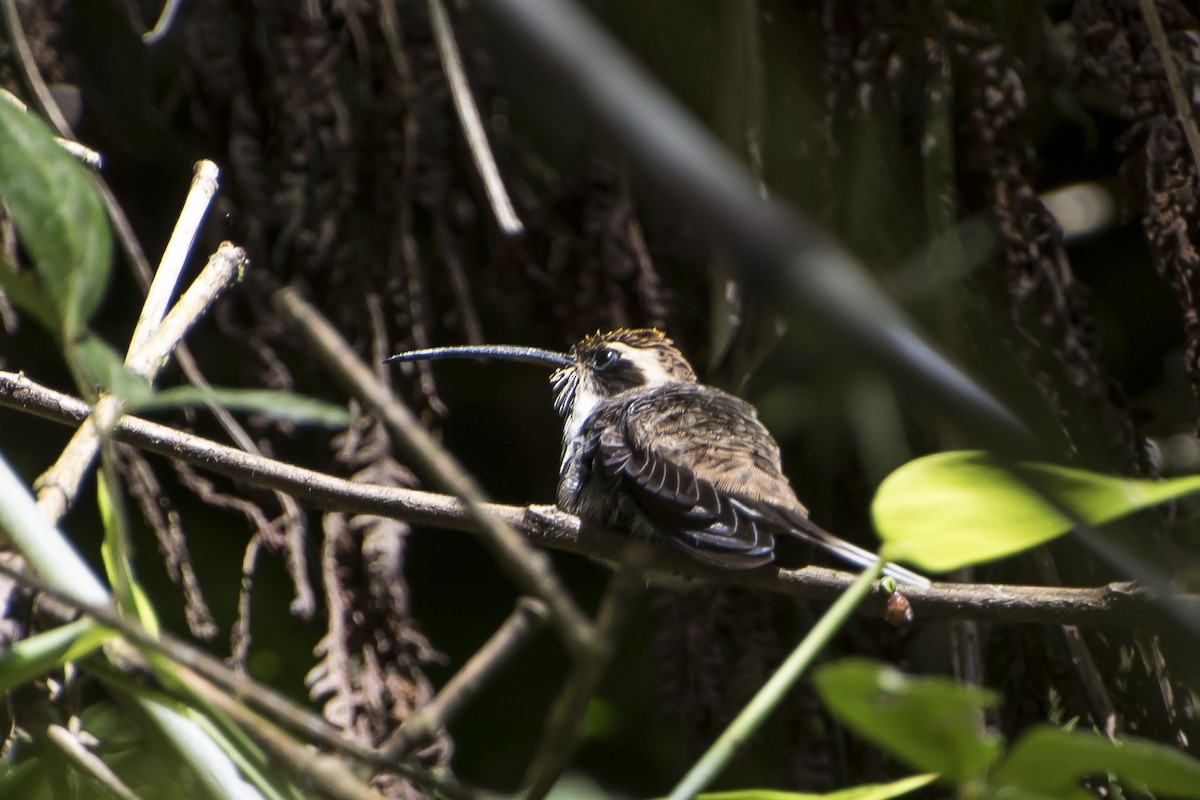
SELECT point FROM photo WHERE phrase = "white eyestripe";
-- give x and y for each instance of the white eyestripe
(647, 361)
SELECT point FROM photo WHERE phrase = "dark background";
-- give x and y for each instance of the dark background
(333, 157)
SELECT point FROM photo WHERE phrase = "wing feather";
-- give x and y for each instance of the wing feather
(699, 467)
(689, 510)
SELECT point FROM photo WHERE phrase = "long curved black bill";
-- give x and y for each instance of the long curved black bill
(503, 352)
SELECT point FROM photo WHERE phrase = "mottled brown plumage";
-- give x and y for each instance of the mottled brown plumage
(647, 448)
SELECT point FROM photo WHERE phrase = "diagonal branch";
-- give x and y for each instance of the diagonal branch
(526, 566)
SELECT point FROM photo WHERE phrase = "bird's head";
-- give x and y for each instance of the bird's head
(600, 366)
(604, 365)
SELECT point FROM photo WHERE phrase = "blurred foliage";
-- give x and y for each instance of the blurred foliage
(958, 508)
(931, 725)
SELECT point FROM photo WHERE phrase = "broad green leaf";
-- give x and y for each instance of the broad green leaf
(105, 368)
(1051, 761)
(37, 655)
(278, 405)
(868, 791)
(931, 724)
(58, 214)
(949, 510)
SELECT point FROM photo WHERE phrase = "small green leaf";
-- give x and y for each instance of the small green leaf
(868, 791)
(279, 405)
(931, 724)
(105, 368)
(37, 655)
(1050, 761)
(950, 510)
(57, 211)
(117, 554)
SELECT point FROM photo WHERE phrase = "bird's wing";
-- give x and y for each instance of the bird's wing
(701, 468)
(694, 463)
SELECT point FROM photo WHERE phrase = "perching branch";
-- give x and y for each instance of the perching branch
(527, 567)
(1116, 605)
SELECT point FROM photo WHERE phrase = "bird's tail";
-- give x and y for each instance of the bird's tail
(853, 554)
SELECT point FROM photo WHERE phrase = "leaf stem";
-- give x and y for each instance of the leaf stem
(756, 711)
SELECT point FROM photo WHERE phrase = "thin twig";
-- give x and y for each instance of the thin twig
(564, 729)
(163, 26)
(304, 602)
(88, 763)
(201, 671)
(48, 551)
(325, 773)
(1104, 713)
(1113, 606)
(86, 155)
(166, 277)
(521, 626)
(44, 100)
(785, 257)
(224, 269)
(472, 123)
(1183, 106)
(752, 715)
(41, 92)
(530, 568)
(59, 485)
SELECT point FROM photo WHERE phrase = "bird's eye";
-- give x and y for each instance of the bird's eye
(605, 357)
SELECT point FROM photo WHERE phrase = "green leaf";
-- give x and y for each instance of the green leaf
(58, 214)
(117, 554)
(279, 405)
(868, 791)
(28, 294)
(931, 724)
(1050, 761)
(104, 367)
(37, 655)
(949, 510)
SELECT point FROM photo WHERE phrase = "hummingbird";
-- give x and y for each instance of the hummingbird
(648, 448)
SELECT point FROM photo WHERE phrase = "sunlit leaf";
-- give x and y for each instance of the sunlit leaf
(44, 652)
(868, 791)
(288, 406)
(106, 369)
(952, 509)
(58, 214)
(931, 724)
(118, 562)
(1051, 761)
